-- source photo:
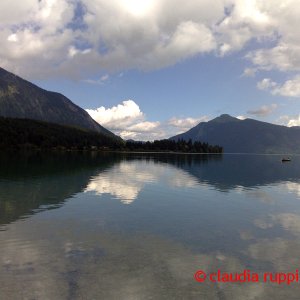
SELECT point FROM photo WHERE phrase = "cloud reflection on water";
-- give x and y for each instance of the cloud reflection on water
(126, 179)
(107, 265)
(90, 250)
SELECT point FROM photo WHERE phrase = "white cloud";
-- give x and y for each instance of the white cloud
(143, 131)
(263, 110)
(118, 117)
(284, 55)
(144, 126)
(104, 77)
(241, 117)
(289, 120)
(128, 121)
(249, 72)
(108, 35)
(184, 124)
(291, 88)
(101, 80)
(13, 38)
(266, 84)
(294, 122)
(56, 38)
(74, 51)
(245, 20)
(51, 37)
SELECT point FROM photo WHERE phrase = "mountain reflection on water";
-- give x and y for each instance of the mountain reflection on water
(31, 181)
(138, 226)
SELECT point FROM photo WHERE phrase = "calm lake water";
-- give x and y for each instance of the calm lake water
(138, 226)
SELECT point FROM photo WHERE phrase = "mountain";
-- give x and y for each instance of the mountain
(22, 99)
(245, 136)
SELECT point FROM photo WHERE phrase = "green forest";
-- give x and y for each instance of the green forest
(174, 146)
(31, 134)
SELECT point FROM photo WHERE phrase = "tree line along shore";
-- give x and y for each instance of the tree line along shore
(31, 134)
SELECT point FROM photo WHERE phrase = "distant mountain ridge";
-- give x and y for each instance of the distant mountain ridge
(21, 99)
(245, 136)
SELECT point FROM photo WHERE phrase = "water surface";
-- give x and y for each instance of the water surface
(138, 226)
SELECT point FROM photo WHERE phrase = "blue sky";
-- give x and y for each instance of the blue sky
(150, 69)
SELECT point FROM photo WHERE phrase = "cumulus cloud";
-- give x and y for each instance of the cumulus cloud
(290, 88)
(266, 84)
(294, 121)
(263, 110)
(289, 120)
(283, 57)
(184, 124)
(283, 20)
(144, 126)
(77, 38)
(81, 39)
(244, 21)
(118, 117)
(128, 121)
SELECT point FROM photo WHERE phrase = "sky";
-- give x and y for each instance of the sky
(150, 69)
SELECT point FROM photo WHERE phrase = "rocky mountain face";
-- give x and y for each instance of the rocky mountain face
(22, 99)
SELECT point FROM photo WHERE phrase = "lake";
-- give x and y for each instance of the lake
(139, 226)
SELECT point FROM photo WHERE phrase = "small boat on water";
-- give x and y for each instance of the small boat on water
(285, 159)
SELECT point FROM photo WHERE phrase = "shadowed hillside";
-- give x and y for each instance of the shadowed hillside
(22, 99)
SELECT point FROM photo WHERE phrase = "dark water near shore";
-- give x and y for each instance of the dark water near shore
(138, 226)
